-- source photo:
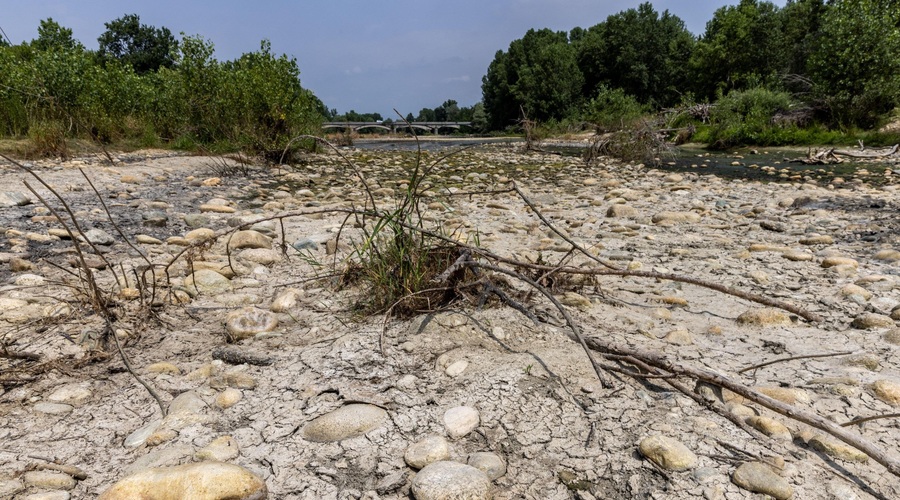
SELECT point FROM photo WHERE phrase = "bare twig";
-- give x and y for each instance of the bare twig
(793, 358)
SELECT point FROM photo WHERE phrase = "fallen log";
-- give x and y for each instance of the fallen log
(873, 154)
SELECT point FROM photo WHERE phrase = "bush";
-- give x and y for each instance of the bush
(746, 117)
(613, 109)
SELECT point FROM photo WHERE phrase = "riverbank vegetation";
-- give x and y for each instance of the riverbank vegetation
(809, 72)
(144, 88)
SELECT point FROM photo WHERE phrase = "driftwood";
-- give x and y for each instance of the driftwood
(831, 156)
(826, 157)
(873, 154)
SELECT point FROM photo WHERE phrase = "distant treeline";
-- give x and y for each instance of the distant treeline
(144, 86)
(449, 111)
(833, 64)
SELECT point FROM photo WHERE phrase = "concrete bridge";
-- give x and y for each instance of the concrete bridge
(393, 127)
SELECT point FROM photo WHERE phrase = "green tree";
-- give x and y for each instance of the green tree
(53, 36)
(640, 51)
(145, 48)
(856, 67)
(743, 46)
(538, 74)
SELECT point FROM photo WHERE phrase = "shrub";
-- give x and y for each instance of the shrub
(613, 109)
(746, 117)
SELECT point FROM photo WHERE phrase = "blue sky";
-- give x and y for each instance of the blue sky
(355, 54)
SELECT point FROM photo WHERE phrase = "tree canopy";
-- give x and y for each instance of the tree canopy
(144, 48)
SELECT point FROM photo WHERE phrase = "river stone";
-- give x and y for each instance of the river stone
(139, 436)
(489, 463)
(456, 368)
(200, 234)
(764, 317)
(574, 299)
(668, 453)
(249, 321)
(228, 398)
(344, 423)
(837, 449)
(888, 255)
(221, 449)
(196, 220)
(99, 237)
(220, 209)
(249, 239)
(679, 336)
(451, 481)
(869, 321)
(9, 487)
(197, 481)
(53, 408)
(887, 391)
(9, 199)
(760, 478)
(789, 395)
(828, 262)
(817, 239)
(427, 451)
(460, 421)
(621, 210)
(797, 256)
(207, 282)
(18, 265)
(262, 256)
(770, 427)
(50, 480)
(676, 217)
(73, 394)
(286, 300)
(851, 289)
(48, 495)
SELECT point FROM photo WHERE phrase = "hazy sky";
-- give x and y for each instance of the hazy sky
(366, 55)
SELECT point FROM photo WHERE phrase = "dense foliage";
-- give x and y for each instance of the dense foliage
(144, 87)
(812, 63)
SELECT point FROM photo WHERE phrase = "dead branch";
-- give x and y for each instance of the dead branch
(793, 358)
(861, 420)
(873, 154)
(661, 362)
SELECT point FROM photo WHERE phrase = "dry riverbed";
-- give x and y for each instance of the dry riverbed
(484, 402)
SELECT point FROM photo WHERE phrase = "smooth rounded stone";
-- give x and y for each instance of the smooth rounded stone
(163, 367)
(139, 436)
(249, 239)
(834, 448)
(304, 244)
(427, 451)
(221, 267)
(893, 336)
(211, 182)
(760, 277)
(895, 313)
(9, 199)
(9, 304)
(676, 217)
(887, 391)
(98, 237)
(766, 247)
(161, 436)
(887, 255)
(797, 256)
(50, 480)
(286, 300)
(461, 420)
(18, 265)
(760, 478)
(456, 368)
(228, 398)
(221, 449)
(447, 480)
(200, 234)
(207, 282)
(48, 495)
(220, 209)
(828, 262)
(196, 220)
(870, 362)
(870, 321)
(620, 210)
(197, 481)
(851, 289)
(574, 299)
(767, 316)
(817, 239)
(262, 256)
(789, 395)
(29, 280)
(53, 408)
(679, 337)
(489, 463)
(239, 380)
(249, 321)
(668, 453)
(344, 423)
(73, 394)
(770, 427)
